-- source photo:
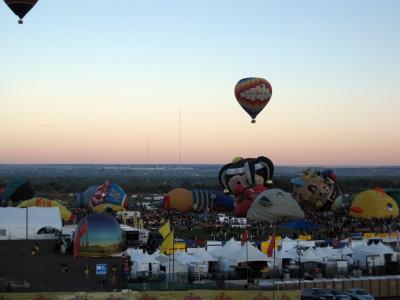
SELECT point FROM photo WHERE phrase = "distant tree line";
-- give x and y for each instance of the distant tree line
(155, 184)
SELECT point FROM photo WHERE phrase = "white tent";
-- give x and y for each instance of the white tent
(201, 254)
(26, 223)
(170, 265)
(145, 263)
(310, 255)
(224, 254)
(205, 258)
(372, 255)
(345, 251)
(227, 250)
(249, 253)
(186, 259)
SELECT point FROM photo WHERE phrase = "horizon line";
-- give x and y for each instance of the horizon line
(186, 164)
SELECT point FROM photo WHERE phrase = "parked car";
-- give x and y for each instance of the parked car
(339, 295)
(359, 294)
(316, 294)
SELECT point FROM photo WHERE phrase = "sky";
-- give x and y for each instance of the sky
(101, 81)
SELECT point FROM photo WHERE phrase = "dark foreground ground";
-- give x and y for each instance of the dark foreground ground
(51, 271)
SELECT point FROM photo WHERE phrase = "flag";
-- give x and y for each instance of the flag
(78, 237)
(245, 237)
(271, 247)
(168, 243)
(165, 230)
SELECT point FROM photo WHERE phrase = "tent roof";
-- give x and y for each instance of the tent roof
(185, 258)
(227, 250)
(248, 252)
(145, 259)
(374, 249)
(202, 255)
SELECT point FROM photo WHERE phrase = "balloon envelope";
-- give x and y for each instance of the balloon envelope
(107, 193)
(66, 215)
(274, 205)
(17, 190)
(21, 7)
(253, 94)
(373, 204)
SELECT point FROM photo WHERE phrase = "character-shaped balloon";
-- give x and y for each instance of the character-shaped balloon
(246, 179)
(317, 190)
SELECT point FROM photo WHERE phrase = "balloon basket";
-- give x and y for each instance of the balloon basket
(20, 22)
(253, 121)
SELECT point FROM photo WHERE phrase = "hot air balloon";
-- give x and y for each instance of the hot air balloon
(317, 190)
(107, 193)
(17, 190)
(246, 179)
(66, 215)
(184, 200)
(374, 204)
(20, 7)
(253, 94)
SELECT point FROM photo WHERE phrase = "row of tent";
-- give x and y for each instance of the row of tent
(234, 252)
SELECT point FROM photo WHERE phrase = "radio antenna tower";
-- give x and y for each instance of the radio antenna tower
(147, 148)
(179, 135)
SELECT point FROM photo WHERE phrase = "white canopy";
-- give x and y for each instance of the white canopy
(202, 255)
(310, 255)
(374, 249)
(249, 253)
(171, 265)
(345, 250)
(25, 223)
(186, 259)
(227, 250)
(284, 254)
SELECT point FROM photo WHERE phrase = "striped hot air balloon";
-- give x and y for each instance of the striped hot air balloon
(253, 94)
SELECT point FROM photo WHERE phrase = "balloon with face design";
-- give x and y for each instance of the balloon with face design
(316, 190)
(373, 204)
(246, 179)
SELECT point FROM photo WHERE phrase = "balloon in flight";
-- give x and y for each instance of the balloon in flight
(253, 94)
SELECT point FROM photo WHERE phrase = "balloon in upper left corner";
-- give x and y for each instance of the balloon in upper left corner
(20, 7)
(253, 94)
(17, 190)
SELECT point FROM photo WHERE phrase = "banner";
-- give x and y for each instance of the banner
(168, 295)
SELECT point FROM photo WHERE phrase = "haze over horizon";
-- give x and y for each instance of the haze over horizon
(153, 82)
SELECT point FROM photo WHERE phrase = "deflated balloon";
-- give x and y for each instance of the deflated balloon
(107, 193)
(66, 215)
(253, 94)
(274, 205)
(316, 190)
(17, 190)
(184, 200)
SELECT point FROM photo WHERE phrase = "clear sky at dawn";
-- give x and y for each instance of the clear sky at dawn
(101, 81)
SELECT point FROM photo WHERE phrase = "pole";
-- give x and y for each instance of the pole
(247, 260)
(274, 234)
(26, 223)
(299, 273)
(173, 258)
